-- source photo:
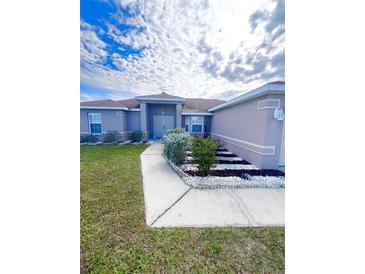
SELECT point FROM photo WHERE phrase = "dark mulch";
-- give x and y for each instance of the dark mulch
(216, 154)
(239, 173)
(225, 155)
(240, 162)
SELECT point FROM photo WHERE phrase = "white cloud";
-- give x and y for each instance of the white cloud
(191, 48)
(91, 47)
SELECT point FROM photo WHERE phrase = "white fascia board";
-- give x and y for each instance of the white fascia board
(159, 99)
(264, 90)
(198, 113)
(134, 109)
(107, 108)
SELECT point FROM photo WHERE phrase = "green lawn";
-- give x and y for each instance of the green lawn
(115, 238)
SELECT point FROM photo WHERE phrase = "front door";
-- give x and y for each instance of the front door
(162, 124)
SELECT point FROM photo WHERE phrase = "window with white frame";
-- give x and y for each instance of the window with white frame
(187, 123)
(197, 123)
(95, 123)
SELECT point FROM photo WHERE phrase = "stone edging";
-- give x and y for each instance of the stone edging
(227, 182)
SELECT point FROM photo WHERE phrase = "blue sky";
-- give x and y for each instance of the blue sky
(209, 49)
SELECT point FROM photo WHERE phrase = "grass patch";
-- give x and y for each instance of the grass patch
(115, 238)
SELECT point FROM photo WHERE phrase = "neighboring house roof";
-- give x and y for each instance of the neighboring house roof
(269, 88)
(200, 105)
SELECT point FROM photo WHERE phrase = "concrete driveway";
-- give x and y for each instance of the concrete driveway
(169, 202)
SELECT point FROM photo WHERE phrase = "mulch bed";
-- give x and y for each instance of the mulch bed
(240, 162)
(239, 173)
(242, 173)
(225, 155)
(217, 154)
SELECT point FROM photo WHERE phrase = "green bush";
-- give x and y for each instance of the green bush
(177, 131)
(111, 137)
(203, 152)
(175, 145)
(219, 141)
(136, 136)
(88, 138)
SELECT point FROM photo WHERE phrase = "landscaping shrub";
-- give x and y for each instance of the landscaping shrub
(175, 146)
(136, 136)
(220, 142)
(203, 152)
(111, 137)
(88, 138)
(177, 131)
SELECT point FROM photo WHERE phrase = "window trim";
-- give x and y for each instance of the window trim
(101, 123)
(202, 124)
(187, 123)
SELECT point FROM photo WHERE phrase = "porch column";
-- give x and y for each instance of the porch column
(178, 115)
(144, 120)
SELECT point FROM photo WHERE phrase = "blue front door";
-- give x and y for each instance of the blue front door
(162, 124)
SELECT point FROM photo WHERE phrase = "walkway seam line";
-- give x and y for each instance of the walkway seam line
(167, 209)
(241, 204)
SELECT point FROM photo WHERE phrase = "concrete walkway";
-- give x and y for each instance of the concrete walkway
(169, 202)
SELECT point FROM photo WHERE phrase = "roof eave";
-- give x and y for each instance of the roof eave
(264, 90)
(103, 107)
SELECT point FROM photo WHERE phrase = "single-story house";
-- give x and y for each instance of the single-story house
(250, 125)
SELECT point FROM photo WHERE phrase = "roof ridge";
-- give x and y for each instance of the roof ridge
(195, 98)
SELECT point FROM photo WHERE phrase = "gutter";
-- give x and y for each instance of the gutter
(198, 113)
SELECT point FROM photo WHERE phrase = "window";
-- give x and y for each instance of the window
(95, 123)
(197, 123)
(187, 121)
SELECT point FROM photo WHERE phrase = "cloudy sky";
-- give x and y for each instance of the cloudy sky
(209, 49)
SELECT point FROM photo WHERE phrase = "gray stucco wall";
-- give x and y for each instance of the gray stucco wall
(250, 130)
(134, 120)
(157, 109)
(111, 120)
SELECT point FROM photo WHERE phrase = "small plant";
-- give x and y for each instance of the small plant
(88, 138)
(177, 131)
(175, 146)
(136, 136)
(203, 151)
(219, 141)
(111, 137)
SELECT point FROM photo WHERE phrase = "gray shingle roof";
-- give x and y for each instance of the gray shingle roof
(102, 103)
(190, 104)
(200, 105)
(162, 95)
(129, 103)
